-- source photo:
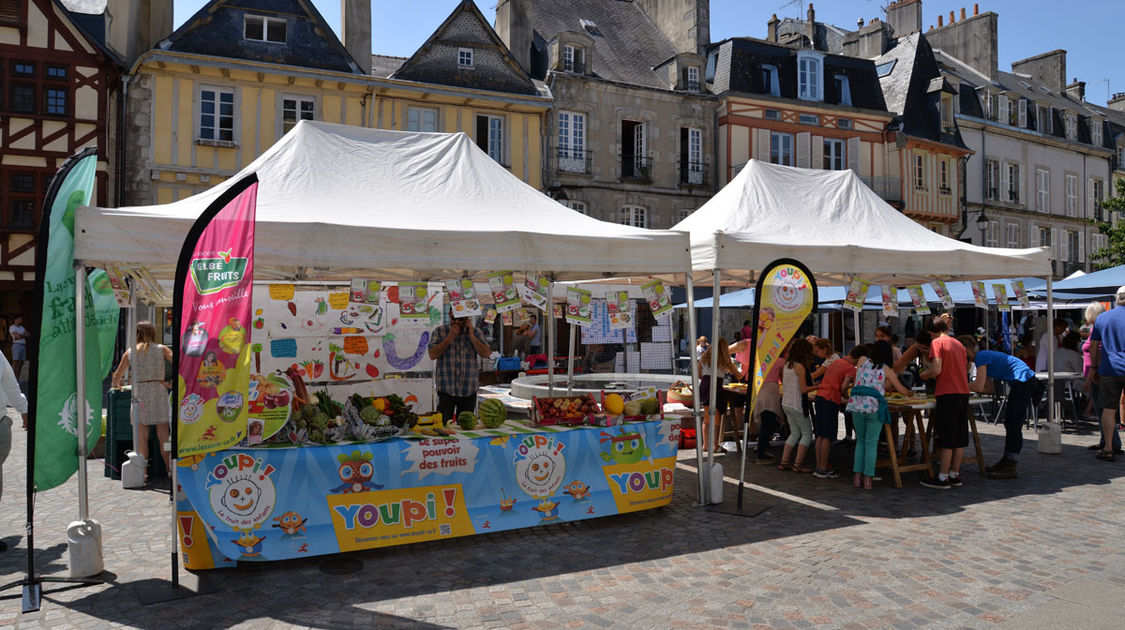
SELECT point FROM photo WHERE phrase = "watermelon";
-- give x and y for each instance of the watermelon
(493, 413)
(466, 420)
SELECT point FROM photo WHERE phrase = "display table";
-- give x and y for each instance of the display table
(276, 503)
(912, 415)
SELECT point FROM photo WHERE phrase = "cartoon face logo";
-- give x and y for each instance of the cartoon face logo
(788, 294)
(624, 448)
(356, 472)
(290, 523)
(243, 500)
(541, 473)
(241, 496)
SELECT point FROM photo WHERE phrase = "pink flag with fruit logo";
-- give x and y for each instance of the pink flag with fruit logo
(213, 290)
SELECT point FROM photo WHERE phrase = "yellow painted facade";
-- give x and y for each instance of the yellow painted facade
(182, 164)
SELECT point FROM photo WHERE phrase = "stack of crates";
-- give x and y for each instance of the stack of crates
(119, 437)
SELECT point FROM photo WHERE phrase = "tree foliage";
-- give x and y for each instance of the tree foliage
(1113, 254)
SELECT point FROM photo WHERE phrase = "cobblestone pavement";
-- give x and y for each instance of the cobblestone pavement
(1044, 550)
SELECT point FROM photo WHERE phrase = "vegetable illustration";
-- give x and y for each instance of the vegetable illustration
(372, 371)
(339, 367)
(400, 363)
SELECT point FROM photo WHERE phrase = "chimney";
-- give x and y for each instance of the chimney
(133, 27)
(1117, 103)
(771, 28)
(976, 9)
(1048, 68)
(513, 25)
(1077, 90)
(859, 23)
(952, 19)
(972, 40)
(811, 27)
(356, 18)
(940, 23)
(873, 39)
(686, 23)
(962, 13)
(905, 17)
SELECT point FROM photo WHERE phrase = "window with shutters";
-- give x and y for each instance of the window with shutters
(1071, 126)
(490, 136)
(781, 148)
(636, 216)
(1046, 123)
(943, 177)
(1096, 196)
(691, 156)
(1043, 189)
(634, 159)
(1021, 118)
(1044, 237)
(1015, 183)
(810, 76)
(1074, 246)
(1096, 132)
(1071, 195)
(833, 154)
(992, 192)
(769, 80)
(843, 90)
(920, 179)
(421, 119)
(297, 108)
(1003, 111)
(991, 234)
(1012, 234)
(572, 142)
(1063, 249)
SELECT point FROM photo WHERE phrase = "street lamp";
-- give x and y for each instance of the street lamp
(982, 224)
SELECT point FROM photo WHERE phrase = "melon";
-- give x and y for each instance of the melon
(466, 420)
(492, 413)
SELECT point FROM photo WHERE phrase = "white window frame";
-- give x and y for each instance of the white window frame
(218, 91)
(1071, 194)
(845, 89)
(568, 58)
(1071, 126)
(415, 118)
(1095, 132)
(636, 216)
(810, 76)
(683, 213)
(266, 21)
(992, 184)
(1003, 115)
(1043, 190)
(465, 57)
(572, 141)
(1095, 194)
(773, 89)
(495, 144)
(781, 146)
(1012, 235)
(1015, 182)
(920, 176)
(991, 234)
(835, 154)
(1022, 113)
(946, 112)
(693, 79)
(577, 205)
(299, 100)
(695, 155)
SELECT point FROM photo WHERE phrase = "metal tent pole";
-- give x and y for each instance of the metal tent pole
(693, 336)
(1051, 355)
(551, 340)
(713, 409)
(80, 388)
(570, 360)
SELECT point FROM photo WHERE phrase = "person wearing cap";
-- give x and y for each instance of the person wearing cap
(1107, 360)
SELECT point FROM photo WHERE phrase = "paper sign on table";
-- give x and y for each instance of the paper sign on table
(282, 292)
(943, 294)
(1021, 294)
(413, 301)
(658, 299)
(578, 306)
(535, 290)
(462, 297)
(890, 301)
(980, 298)
(502, 286)
(918, 299)
(1001, 292)
(857, 294)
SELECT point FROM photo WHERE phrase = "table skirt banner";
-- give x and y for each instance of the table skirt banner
(273, 504)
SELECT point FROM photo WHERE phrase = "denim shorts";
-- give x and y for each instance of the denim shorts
(826, 421)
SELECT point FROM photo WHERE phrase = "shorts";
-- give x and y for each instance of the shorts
(19, 352)
(826, 421)
(1110, 388)
(951, 421)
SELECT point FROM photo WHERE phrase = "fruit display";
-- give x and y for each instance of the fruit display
(680, 392)
(493, 413)
(466, 420)
(564, 409)
(639, 404)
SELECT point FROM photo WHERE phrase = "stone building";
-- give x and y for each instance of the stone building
(630, 134)
(58, 94)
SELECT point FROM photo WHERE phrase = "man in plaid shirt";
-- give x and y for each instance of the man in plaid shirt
(454, 349)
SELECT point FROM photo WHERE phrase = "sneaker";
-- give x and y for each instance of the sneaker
(997, 466)
(955, 482)
(937, 484)
(820, 474)
(1005, 471)
(830, 474)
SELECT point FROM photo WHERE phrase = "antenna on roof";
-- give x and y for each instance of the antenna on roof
(796, 3)
(1106, 81)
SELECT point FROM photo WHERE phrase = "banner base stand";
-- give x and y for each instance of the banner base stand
(33, 590)
(734, 510)
(156, 591)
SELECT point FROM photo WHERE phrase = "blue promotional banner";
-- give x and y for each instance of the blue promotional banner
(270, 504)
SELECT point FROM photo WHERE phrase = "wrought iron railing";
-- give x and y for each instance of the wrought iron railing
(574, 160)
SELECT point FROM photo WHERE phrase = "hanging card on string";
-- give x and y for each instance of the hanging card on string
(535, 290)
(502, 287)
(620, 309)
(857, 294)
(918, 299)
(659, 300)
(1021, 294)
(980, 297)
(943, 294)
(578, 306)
(462, 297)
(890, 301)
(1001, 292)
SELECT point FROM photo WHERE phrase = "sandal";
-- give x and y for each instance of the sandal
(797, 468)
(784, 466)
(1106, 456)
(867, 483)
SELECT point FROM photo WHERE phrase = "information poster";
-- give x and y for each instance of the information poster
(1020, 293)
(918, 299)
(943, 294)
(535, 290)
(578, 306)
(490, 316)
(890, 301)
(413, 301)
(857, 294)
(502, 287)
(621, 310)
(980, 298)
(363, 291)
(659, 300)
(1001, 293)
(463, 300)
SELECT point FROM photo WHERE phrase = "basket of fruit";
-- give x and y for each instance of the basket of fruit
(569, 410)
(680, 392)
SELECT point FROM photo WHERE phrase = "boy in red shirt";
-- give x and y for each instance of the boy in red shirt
(951, 411)
(829, 397)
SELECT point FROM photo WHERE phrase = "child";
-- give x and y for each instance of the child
(794, 388)
(950, 417)
(869, 409)
(825, 355)
(827, 405)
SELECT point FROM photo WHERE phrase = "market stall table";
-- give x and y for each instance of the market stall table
(911, 410)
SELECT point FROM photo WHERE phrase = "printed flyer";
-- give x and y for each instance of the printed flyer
(1020, 293)
(535, 290)
(271, 504)
(502, 286)
(622, 311)
(857, 294)
(1001, 293)
(364, 291)
(462, 297)
(890, 301)
(578, 309)
(943, 294)
(659, 300)
(918, 299)
(490, 315)
(980, 298)
(413, 301)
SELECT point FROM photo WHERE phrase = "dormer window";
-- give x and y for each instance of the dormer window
(810, 76)
(947, 112)
(692, 79)
(1095, 132)
(465, 57)
(568, 58)
(1021, 114)
(843, 90)
(1004, 111)
(260, 28)
(1071, 126)
(769, 80)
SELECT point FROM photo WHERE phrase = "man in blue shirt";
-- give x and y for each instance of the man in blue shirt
(1023, 389)
(1107, 359)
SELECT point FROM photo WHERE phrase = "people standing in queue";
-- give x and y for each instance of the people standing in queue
(1023, 391)
(454, 347)
(949, 366)
(868, 407)
(150, 394)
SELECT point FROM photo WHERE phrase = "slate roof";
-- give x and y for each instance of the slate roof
(826, 37)
(912, 89)
(627, 45)
(738, 62)
(494, 68)
(383, 66)
(89, 17)
(217, 30)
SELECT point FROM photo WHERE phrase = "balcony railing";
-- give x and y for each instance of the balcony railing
(693, 173)
(888, 188)
(636, 167)
(575, 160)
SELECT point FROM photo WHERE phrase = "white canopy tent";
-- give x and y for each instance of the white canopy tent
(839, 228)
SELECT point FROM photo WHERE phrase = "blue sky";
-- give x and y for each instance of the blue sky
(1086, 29)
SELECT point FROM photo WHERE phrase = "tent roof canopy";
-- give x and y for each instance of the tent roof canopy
(838, 227)
(1102, 283)
(337, 201)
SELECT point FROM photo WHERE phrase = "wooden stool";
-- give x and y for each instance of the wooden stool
(914, 421)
